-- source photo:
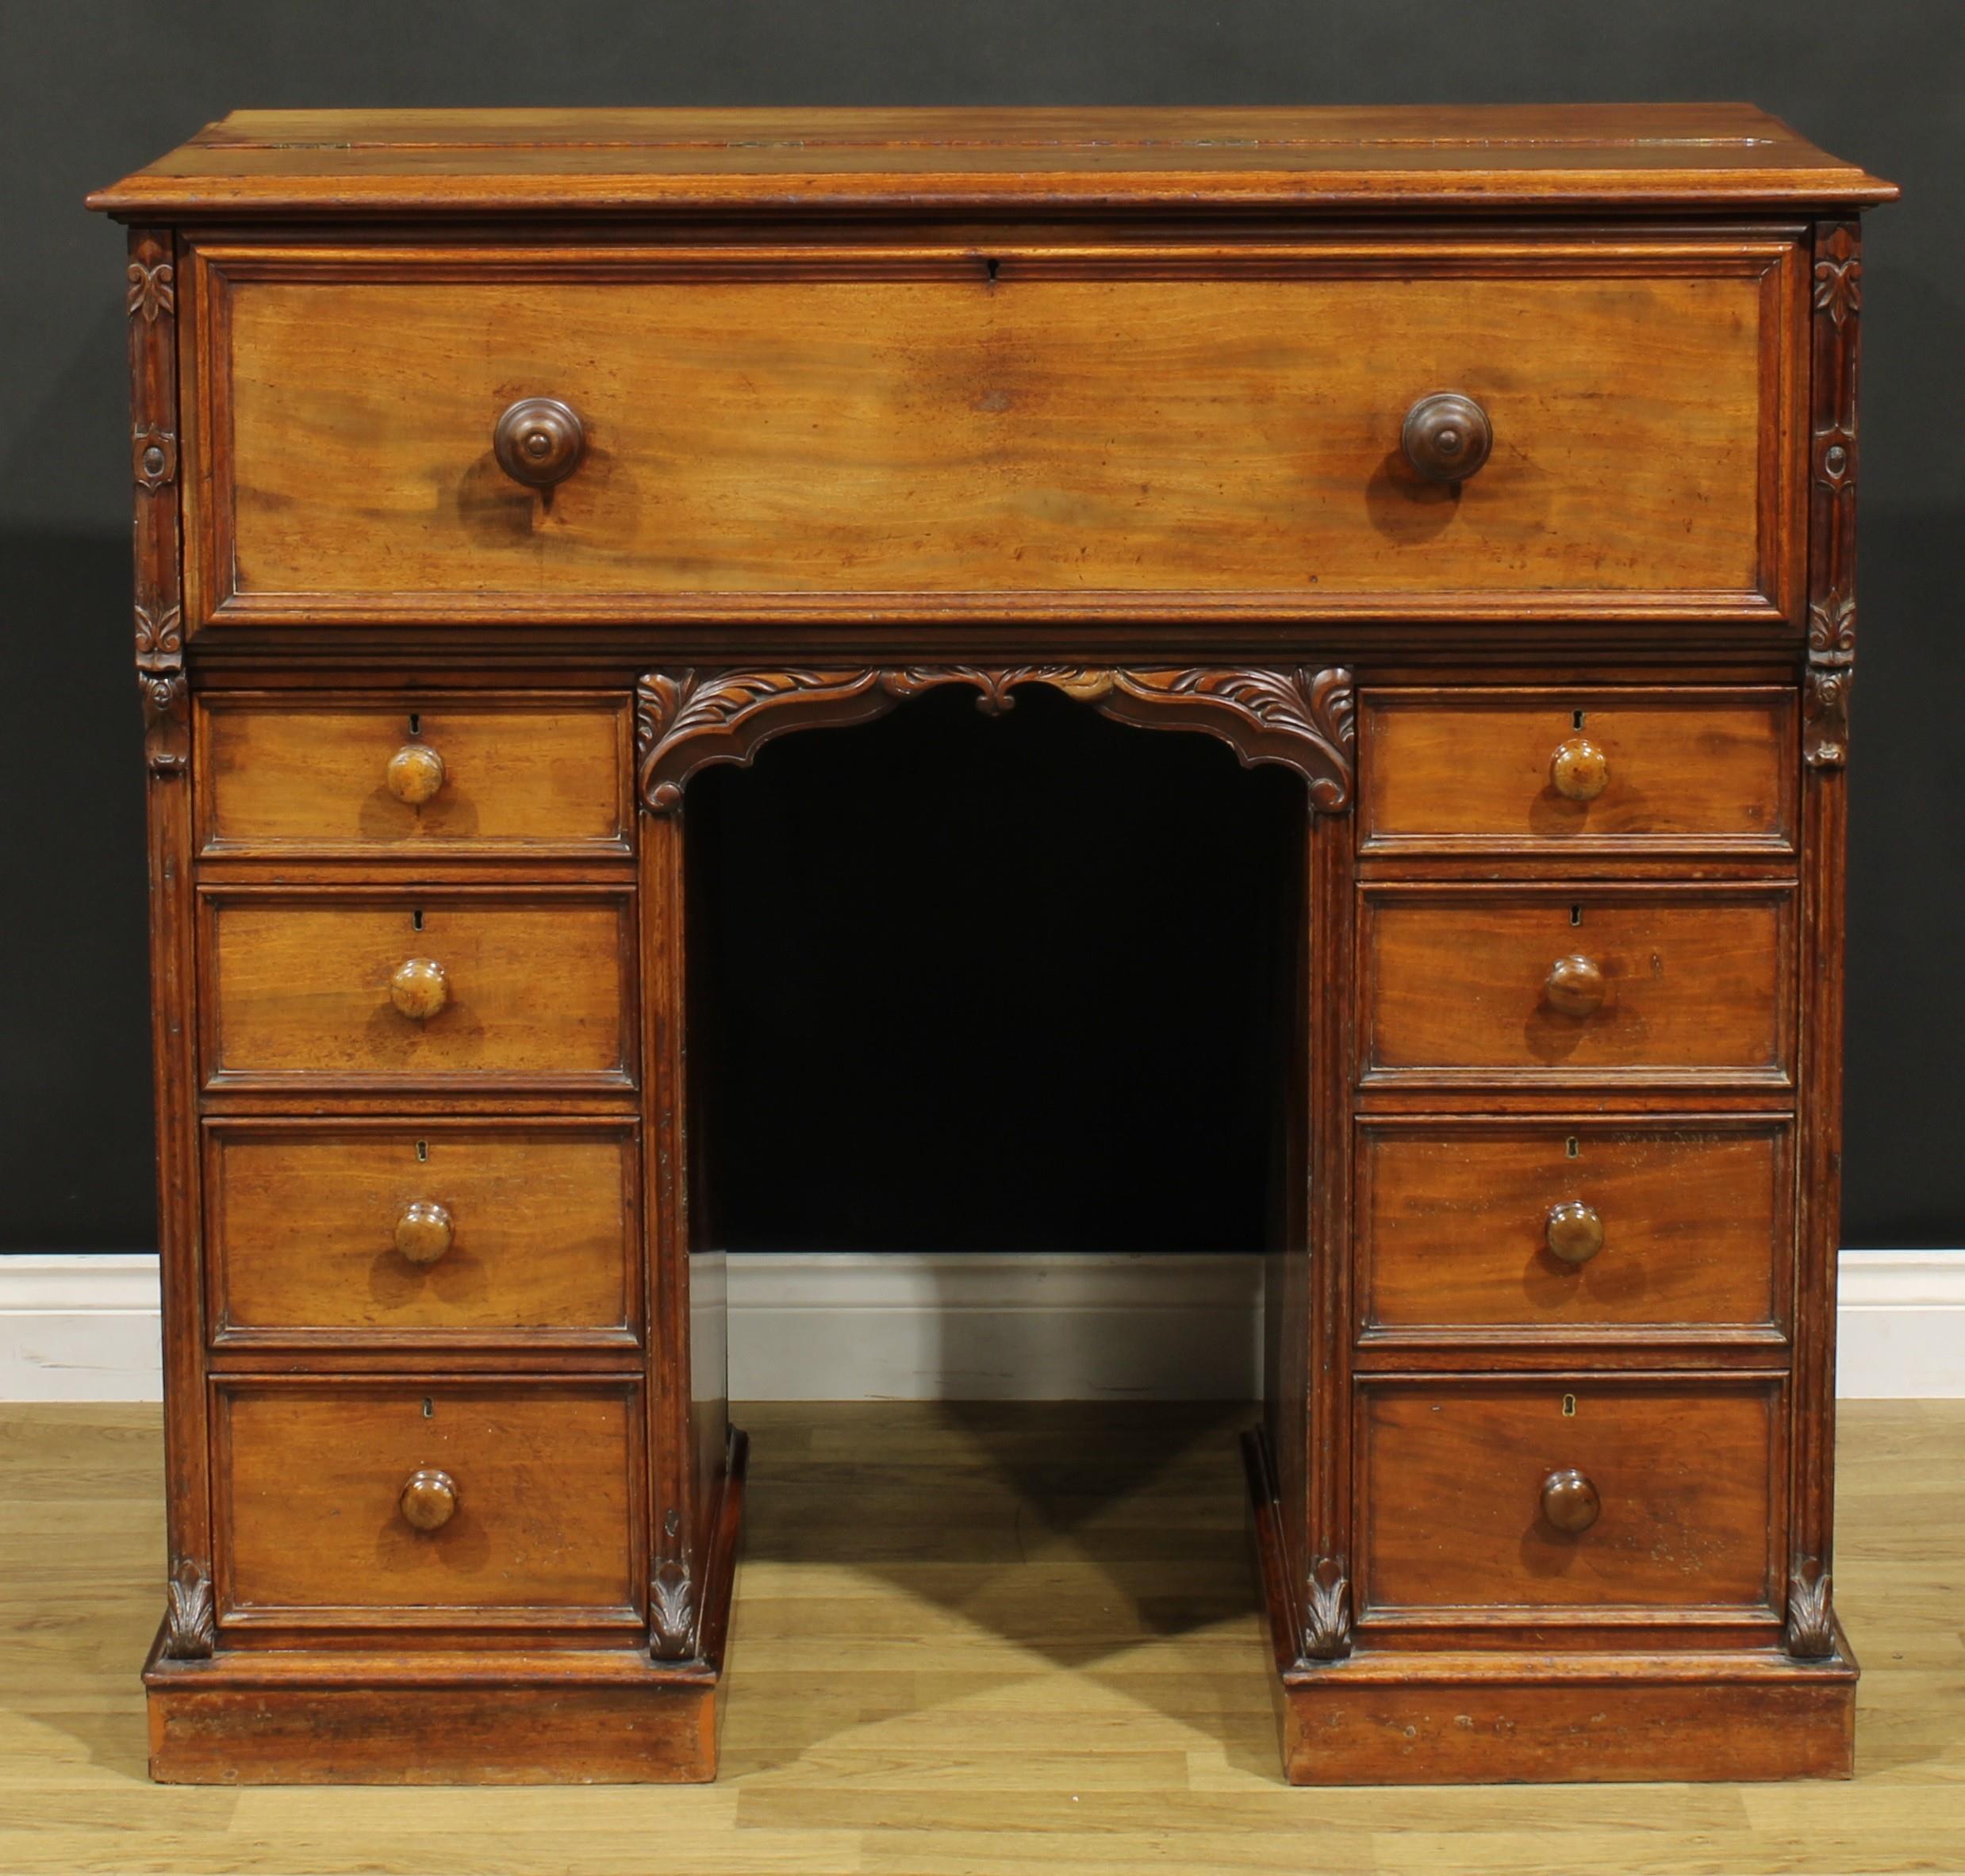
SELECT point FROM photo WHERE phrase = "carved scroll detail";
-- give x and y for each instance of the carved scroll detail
(191, 1628)
(1297, 717)
(1811, 1622)
(671, 1611)
(1838, 300)
(1327, 1626)
(159, 617)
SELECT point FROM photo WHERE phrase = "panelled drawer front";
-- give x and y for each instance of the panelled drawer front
(1461, 1484)
(416, 777)
(1486, 983)
(1062, 423)
(1678, 1225)
(426, 1232)
(310, 1484)
(1641, 768)
(535, 988)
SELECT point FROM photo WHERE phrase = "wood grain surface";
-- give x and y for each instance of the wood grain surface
(1457, 982)
(1452, 1226)
(307, 1474)
(1455, 770)
(340, 162)
(1042, 425)
(1451, 1476)
(538, 991)
(1055, 1661)
(300, 1223)
(307, 776)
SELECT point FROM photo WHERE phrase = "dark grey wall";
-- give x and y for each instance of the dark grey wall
(91, 88)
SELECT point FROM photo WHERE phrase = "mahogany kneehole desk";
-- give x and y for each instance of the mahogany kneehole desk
(1492, 471)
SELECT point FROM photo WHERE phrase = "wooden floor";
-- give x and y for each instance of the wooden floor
(980, 1640)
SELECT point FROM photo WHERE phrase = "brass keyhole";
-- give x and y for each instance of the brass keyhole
(1569, 1406)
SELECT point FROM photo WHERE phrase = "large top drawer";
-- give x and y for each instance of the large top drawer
(1135, 431)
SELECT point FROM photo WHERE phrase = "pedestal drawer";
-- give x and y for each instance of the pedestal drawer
(529, 989)
(1569, 1493)
(1570, 984)
(440, 1503)
(427, 1232)
(1576, 768)
(1558, 1226)
(414, 775)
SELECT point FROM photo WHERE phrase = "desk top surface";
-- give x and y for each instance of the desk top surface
(1412, 159)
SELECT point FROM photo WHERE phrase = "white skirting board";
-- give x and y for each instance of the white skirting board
(984, 1325)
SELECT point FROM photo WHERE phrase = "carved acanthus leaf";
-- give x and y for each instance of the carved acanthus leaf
(153, 292)
(159, 638)
(190, 1630)
(1327, 1624)
(1839, 277)
(1298, 717)
(1811, 1622)
(671, 1611)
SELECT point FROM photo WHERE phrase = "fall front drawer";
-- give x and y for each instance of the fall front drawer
(1677, 1226)
(1630, 771)
(1577, 1492)
(418, 776)
(434, 1502)
(430, 1232)
(1570, 984)
(508, 433)
(532, 988)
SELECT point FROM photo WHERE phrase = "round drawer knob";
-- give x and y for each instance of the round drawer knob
(1574, 986)
(419, 989)
(429, 1499)
(1579, 770)
(415, 774)
(539, 441)
(1447, 437)
(1574, 1232)
(423, 1232)
(1570, 1502)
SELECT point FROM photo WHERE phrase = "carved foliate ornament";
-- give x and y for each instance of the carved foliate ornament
(1298, 717)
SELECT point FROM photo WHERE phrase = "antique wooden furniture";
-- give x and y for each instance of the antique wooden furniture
(1493, 471)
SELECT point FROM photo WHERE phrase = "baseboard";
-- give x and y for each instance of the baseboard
(981, 1325)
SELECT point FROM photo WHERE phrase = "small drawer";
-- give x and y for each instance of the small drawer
(433, 1232)
(361, 777)
(1572, 770)
(444, 1504)
(1562, 1227)
(490, 987)
(1573, 984)
(1571, 1494)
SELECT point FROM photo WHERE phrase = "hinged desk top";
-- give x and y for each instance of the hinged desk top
(1408, 158)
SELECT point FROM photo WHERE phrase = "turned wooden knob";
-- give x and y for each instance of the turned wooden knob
(419, 989)
(1579, 770)
(1447, 437)
(539, 441)
(1570, 1502)
(1574, 986)
(414, 774)
(1574, 1232)
(423, 1232)
(428, 1498)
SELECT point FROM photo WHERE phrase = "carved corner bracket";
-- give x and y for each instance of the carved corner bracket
(1327, 1623)
(190, 1628)
(1837, 307)
(1811, 1622)
(1297, 717)
(671, 1611)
